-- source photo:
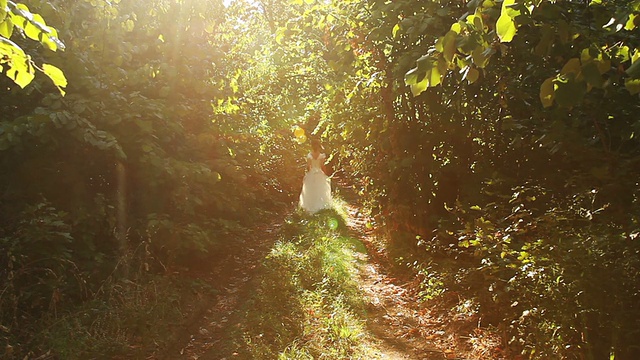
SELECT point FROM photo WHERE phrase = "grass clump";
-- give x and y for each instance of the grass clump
(307, 304)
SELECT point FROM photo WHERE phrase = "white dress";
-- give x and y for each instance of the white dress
(316, 186)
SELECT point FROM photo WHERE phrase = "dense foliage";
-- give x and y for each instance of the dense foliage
(495, 142)
(150, 162)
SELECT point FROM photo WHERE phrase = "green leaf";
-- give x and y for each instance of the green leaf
(280, 35)
(129, 25)
(631, 23)
(434, 77)
(6, 27)
(439, 44)
(424, 63)
(50, 40)
(592, 74)
(572, 66)
(419, 87)
(546, 40)
(586, 55)
(569, 91)
(634, 70)
(479, 56)
(22, 7)
(18, 20)
(590, 55)
(506, 28)
(632, 85)
(477, 21)
(427, 73)
(467, 43)
(443, 67)
(56, 75)
(471, 74)
(622, 53)
(456, 27)
(563, 31)
(546, 92)
(411, 77)
(449, 45)
(394, 32)
(21, 72)
(9, 49)
(32, 31)
(39, 22)
(604, 65)
(508, 8)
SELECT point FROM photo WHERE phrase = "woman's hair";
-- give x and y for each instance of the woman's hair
(316, 145)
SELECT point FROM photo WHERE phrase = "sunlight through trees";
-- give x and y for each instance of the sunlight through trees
(493, 144)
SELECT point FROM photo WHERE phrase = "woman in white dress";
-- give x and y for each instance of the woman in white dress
(316, 186)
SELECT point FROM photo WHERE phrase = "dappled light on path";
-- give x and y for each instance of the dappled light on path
(391, 318)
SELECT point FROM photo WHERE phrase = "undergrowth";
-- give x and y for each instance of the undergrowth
(131, 317)
(54, 303)
(554, 284)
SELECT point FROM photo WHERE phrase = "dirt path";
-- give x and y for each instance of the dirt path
(407, 328)
(399, 326)
(394, 319)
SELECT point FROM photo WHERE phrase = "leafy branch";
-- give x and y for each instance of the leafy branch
(20, 68)
(474, 39)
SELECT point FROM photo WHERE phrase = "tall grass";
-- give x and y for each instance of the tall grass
(131, 319)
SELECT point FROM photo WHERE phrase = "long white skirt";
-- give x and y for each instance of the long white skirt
(316, 191)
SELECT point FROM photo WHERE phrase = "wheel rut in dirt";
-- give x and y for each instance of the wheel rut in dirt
(210, 326)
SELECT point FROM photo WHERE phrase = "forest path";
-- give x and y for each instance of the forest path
(397, 327)
(400, 326)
